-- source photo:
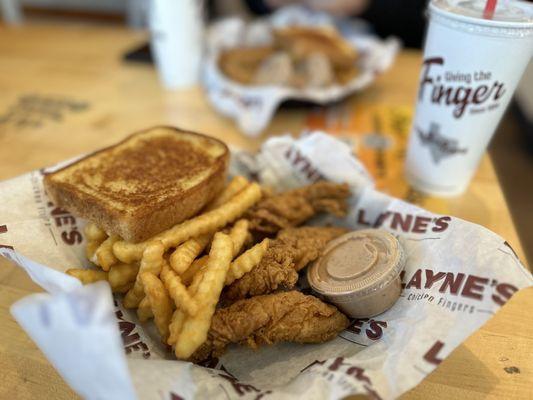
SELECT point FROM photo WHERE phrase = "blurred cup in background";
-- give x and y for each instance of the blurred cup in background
(176, 29)
(470, 70)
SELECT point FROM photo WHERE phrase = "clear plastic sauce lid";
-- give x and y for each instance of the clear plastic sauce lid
(357, 263)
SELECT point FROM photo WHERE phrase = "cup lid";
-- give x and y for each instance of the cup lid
(509, 14)
(357, 263)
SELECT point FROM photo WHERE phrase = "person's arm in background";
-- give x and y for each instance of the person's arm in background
(261, 7)
(402, 18)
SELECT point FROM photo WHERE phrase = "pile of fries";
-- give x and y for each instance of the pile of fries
(167, 279)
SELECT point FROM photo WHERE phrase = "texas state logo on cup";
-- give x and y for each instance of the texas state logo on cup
(471, 67)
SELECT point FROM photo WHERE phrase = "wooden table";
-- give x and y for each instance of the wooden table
(105, 99)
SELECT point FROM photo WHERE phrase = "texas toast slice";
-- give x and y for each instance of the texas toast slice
(143, 185)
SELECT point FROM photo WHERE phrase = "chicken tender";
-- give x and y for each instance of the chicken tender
(291, 251)
(301, 41)
(241, 64)
(281, 317)
(294, 207)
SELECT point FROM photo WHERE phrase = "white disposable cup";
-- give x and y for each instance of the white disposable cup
(470, 71)
(176, 28)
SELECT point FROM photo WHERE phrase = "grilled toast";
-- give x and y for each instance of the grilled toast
(143, 185)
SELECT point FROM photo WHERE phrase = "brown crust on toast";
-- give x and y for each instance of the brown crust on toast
(139, 220)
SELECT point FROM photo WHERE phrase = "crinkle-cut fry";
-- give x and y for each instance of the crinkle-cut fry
(87, 276)
(179, 316)
(178, 291)
(186, 252)
(188, 276)
(103, 256)
(144, 311)
(176, 325)
(195, 328)
(93, 233)
(90, 275)
(94, 236)
(238, 234)
(152, 260)
(160, 302)
(236, 185)
(122, 274)
(122, 288)
(90, 249)
(197, 279)
(246, 262)
(201, 224)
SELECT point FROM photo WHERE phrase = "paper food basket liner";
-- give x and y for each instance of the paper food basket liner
(457, 275)
(252, 107)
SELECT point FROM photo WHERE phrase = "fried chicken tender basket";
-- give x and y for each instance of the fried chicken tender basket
(457, 275)
(253, 106)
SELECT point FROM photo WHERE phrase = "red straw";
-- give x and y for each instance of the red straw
(490, 6)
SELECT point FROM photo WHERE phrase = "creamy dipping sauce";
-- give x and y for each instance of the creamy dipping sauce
(359, 272)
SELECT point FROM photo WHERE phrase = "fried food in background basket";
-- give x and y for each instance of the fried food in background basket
(301, 57)
(302, 41)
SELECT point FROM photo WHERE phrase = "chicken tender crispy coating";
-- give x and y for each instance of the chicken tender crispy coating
(291, 251)
(280, 317)
(294, 207)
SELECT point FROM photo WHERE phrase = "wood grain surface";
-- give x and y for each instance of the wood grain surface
(65, 91)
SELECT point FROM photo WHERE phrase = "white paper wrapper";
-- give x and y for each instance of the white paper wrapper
(252, 107)
(457, 276)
